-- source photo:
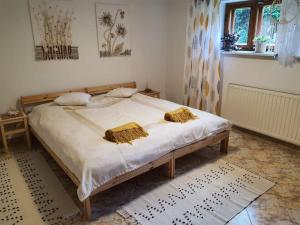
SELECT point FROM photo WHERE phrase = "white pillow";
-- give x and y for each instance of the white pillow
(103, 101)
(122, 92)
(73, 98)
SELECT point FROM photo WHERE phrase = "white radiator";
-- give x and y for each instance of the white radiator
(268, 112)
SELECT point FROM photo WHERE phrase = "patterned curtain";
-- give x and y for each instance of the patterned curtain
(202, 64)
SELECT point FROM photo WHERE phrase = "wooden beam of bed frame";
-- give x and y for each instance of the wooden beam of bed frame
(168, 159)
(30, 101)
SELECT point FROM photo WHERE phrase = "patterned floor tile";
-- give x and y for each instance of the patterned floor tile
(241, 219)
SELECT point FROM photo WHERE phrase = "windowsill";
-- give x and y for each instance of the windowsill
(250, 54)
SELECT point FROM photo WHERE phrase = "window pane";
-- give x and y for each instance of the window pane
(241, 24)
(271, 14)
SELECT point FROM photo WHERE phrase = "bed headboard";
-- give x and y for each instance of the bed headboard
(33, 100)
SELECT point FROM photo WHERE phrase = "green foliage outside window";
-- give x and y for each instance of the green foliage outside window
(264, 22)
(241, 24)
(272, 11)
(271, 16)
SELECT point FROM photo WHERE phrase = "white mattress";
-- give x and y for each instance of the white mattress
(76, 134)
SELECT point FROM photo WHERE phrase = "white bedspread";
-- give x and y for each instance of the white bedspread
(76, 134)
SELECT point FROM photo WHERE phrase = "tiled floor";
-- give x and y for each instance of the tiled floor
(273, 160)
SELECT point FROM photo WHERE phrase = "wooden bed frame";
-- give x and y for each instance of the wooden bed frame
(27, 102)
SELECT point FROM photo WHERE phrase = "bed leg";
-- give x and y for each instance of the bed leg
(171, 167)
(87, 209)
(224, 145)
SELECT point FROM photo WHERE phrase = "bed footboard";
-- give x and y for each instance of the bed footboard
(222, 137)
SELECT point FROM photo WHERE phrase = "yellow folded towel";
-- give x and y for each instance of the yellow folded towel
(125, 133)
(181, 115)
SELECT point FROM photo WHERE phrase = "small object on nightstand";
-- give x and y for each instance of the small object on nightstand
(13, 112)
(151, 93)
(148, 90)
(13, 123)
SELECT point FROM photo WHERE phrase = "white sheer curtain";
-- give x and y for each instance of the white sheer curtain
(288, 36)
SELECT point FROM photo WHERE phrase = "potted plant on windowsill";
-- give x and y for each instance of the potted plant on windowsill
(229, 41)
(261, 43)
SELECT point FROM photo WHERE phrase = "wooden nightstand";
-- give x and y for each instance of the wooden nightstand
(12, 125)
(154, 94)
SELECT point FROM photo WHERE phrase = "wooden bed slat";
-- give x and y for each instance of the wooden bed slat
(46, 97)
(104, 89)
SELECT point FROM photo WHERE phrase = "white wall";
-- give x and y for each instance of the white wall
(20, 74)
(158, 41)
(262, 73)
(177, 18)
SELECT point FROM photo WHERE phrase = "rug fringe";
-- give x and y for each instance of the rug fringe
(71, 219)
(128, 217)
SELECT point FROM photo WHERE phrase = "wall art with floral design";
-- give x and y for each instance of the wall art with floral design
(52, 24)
(113, 30)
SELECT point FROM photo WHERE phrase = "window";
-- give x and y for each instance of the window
(241, 24)
(251, 18)
(269, 27)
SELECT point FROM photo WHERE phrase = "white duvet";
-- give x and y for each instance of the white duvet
(76, 134)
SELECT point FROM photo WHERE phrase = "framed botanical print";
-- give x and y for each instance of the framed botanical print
(113, 30)
(52, 26)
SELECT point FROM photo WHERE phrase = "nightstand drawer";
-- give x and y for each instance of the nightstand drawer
(14, 120)
(17, 131)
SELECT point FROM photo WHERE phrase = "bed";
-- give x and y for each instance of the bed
(74, 137)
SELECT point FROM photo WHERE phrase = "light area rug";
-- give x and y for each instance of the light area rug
(30, 193)
(211, 194)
